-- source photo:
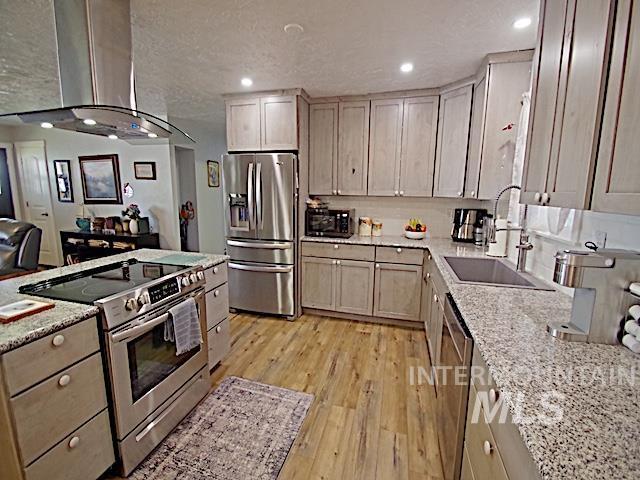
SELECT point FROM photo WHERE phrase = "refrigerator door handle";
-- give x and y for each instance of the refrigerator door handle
(259, 196)
(254, 268)
(269, 246)
(250, 197)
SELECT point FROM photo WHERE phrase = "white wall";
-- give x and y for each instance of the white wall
(153, 197)
(210, 144)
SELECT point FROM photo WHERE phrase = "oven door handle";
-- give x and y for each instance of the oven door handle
(140, 329)
(265, 245)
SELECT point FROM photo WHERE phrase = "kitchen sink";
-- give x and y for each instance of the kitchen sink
(491, 271)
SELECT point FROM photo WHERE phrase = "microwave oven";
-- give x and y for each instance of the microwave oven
(326, 222)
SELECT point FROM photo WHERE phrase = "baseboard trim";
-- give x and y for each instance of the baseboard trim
(365, 318)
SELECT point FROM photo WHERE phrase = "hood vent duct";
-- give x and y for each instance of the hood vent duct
(97, 80)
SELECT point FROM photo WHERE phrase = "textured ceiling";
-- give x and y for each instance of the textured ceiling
(188, 52)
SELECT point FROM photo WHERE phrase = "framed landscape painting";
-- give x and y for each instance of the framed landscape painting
(100, 179)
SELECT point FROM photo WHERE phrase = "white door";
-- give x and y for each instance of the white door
(36, 197)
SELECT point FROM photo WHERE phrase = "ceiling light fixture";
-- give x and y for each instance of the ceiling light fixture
(522, 23)
(293, 28)
(246, 82)
(152, 135)
(46, 125)
(89, 121)
(406, 67)
(113, 137)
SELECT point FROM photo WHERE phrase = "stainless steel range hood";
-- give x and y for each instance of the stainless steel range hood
(97, 81)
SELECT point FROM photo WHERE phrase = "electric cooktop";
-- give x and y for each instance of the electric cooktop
(101, 282)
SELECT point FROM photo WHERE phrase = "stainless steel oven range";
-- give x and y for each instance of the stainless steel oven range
(152, 388)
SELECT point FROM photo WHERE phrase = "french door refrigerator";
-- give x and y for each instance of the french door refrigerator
(260, 192)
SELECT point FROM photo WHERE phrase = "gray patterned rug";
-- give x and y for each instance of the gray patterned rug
(243, 430)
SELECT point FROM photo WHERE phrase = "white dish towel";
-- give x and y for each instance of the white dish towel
(183, 326)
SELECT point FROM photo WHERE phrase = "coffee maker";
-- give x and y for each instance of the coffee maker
(465, 221)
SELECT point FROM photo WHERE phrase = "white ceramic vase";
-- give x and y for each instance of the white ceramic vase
(133, 226)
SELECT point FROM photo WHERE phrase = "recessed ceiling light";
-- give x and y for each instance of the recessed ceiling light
(406, 67)
(246, 82)
(89, 121)
(152, 135)
(46, 125)
(113, 137)
(521, 23)
(293, 28)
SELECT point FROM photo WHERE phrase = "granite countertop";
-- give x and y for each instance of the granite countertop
(20, 332)
(596, 386)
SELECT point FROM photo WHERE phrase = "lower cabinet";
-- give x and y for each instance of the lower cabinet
(432, 308)
(396, 289)
(318, 276)
(354, 287)
(217, 300)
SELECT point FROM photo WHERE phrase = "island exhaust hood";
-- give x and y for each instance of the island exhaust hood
(97, 82)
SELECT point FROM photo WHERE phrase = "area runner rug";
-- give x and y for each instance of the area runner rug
(243, 430)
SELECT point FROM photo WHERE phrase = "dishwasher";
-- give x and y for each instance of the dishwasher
(453, 389)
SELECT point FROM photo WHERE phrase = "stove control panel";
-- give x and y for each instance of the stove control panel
(163, 290)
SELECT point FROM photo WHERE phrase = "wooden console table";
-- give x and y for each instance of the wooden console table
(78, 246)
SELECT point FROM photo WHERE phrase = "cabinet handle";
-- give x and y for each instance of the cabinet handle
(57, 340)
(74, 442)
(215, 269)
(401, 193)
(335, 247)
(459, 194)
(487, 447)
(545, 198)
(333, 262)
(435, 298)
(493, 395)
(335, 192)
(216, 293)
(395, 193)
(218, 329)
(377, 265)
(473, 193)
(64, 380)
(399, 250)
(429, 257)
(537, 197)
(337, 262)
(428, 275)
(339, 192)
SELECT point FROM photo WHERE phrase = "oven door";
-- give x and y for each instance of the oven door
(145, 370)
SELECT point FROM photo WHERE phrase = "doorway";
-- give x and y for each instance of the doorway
(36, 197)
(187, 199)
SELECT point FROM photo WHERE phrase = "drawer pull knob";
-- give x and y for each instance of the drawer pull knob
(428, 275)
(395, 193)
(335, 192)
(74, 442)
(339, 192)
(435, 298)
(399, 250)
(215, 269)
(493, 395)
(337, 262)
(429, 257)
(377, 265)
(537, 196)
(335, 247)
(487, 447)
(216, 293)
(401, 193)
(64, 380)
(218, 329)
(57, 340)
(333, 262)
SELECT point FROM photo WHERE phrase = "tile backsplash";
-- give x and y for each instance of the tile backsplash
(394, 212)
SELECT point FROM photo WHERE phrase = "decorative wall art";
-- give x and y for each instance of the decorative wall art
(213, 173)
(100, 179)
(145, 170)
(63, 180)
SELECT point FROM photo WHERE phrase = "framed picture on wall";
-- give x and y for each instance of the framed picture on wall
(213, 173)
(63, 180)
(100, 179)
(145, 170)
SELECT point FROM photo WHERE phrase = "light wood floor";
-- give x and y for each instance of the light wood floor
(366, 421)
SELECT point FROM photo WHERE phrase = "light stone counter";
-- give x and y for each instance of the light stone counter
(64, 314)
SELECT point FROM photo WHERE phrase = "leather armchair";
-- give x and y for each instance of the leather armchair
(19, 246)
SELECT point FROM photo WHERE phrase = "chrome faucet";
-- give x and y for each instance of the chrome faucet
(492, 227)
(523, 247)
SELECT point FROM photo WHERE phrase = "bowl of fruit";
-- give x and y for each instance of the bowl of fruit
(415, 229)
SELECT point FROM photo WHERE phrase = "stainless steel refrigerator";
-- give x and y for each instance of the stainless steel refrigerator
(260, 192)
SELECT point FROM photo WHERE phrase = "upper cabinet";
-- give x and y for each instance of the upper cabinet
(267, 123)
(496, 111)
(453, 142)
(570, 69)
(353, 148)
(323, 148)
(385, 143)
(617, 180)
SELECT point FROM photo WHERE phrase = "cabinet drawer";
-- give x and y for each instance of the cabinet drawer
(409, 256)
(219, 339)
(38, 360)
(484, 457)
(215, 276)
(52, 409)
(217, 305)
(85, 453)
(338, 251)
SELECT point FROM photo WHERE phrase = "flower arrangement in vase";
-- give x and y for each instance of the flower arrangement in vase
(132, 212)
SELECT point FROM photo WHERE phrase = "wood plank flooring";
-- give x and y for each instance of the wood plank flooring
(366, 421)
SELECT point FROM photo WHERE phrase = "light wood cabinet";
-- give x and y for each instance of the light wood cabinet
(323, 149)
(617, 179)
(318, 276)
(570, 69)
(354, 287)
(385, 144)
(243, 125)
(397, 291)
(268, 123)
(218, 342)
(278, 123)
(497, 104)
(353, 148)
(432, 308)
(453, 141)
(217, 308)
